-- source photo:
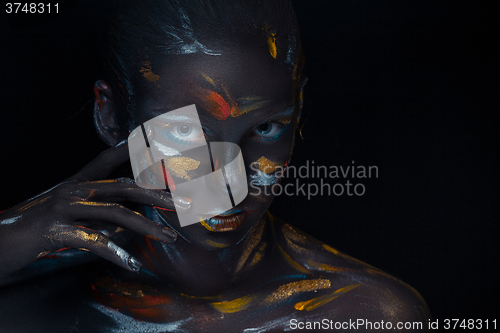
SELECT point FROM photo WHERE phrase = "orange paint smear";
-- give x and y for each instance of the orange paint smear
(223, 110)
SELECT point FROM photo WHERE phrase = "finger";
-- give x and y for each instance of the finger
(80, 237)
(125, 189)
(120, 216)
(104, 164)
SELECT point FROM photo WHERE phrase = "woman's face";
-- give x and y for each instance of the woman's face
(243, 96)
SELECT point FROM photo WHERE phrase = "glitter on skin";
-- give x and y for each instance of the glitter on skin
(262, 179)
(322, 300)
(147, 72)
(181, 165)
(267, 166)
(126, 324)
(288, 290)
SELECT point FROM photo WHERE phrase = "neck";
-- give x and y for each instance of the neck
(200, 272)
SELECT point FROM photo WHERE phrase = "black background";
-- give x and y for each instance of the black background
(408, 86)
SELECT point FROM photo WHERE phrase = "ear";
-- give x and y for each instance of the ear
(302, 84)
(105, 117)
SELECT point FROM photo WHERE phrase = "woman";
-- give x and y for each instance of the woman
(240, 63)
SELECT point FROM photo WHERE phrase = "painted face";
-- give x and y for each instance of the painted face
(243, 96)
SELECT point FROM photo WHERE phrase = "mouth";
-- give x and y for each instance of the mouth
(224, 222)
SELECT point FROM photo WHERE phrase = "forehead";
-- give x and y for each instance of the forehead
(236, 82)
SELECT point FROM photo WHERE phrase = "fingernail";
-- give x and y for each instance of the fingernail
(172, 235)
(182, 203)
(121, 143)
(134, 264)
(102, 85)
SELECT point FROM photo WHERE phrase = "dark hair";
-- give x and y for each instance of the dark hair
(147, 31)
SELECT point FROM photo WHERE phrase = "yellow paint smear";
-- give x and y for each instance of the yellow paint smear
(271, 42)
(205, 224)
(233, 306)
(287, 290)
(285, 255)
(147, 72)
(215, 244)
(267, 166)
(181, 165)
(330, 249)
(33, 203)
(250, 244)
(292, 262)
(322, 300)
(324, 267)
(208, 78)
(92, 203)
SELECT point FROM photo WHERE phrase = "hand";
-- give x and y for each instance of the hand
(72, 213)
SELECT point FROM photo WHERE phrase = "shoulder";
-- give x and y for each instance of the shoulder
(358, 290)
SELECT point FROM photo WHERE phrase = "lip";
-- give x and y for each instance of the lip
(224, 222)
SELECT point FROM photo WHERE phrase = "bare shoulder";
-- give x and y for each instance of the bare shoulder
(358, 291)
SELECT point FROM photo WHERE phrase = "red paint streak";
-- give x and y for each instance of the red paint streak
(223, 110)
(159, 314)
(168, 178)
(63, 249)
(216, 166)
(170, 210)
(120, 302)
(150, 248)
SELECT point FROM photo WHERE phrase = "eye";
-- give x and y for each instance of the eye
(267, 130)
(185, 133)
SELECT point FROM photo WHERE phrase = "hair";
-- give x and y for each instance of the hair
(149, 31)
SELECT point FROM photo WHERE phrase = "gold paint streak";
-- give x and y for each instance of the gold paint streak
(251, 244)
(233, 306)
(215, 244)
(208, 78)
(286, 291)
(330, 249)
(200, 297)
(322, 300)
(181, 165)
(87, 237)
(292, 262)
(258, 255)
(41, 254)
(267, 166)
(147, 72)
(294, 235)
(324, 267)
(205, 224)
(92, 203)
(271, 42)
(285, 255)
(33, 203)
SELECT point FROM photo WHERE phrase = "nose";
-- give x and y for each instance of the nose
(229, 174)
